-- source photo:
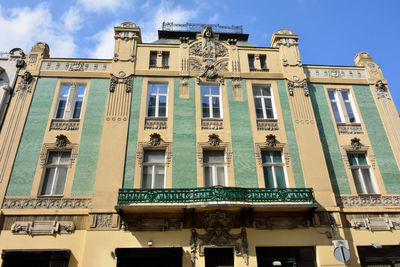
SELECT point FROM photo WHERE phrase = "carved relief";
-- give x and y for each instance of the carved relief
(126, 81)
(213, 140)
(374, 201)
(211, 124)
(141, 146)
(60, 144)
(355, 143)
(381, 90)
(46, 203)
(62, 141)
(375, 223)
(25, 84)
(64, 125)
(75, 66)
(204, 145)
(267, 125)
(270, 140)
(155, 124)
(334, 73)
(349, 129)
(43, 227)
(104, 221)
(297, 84)
(155, 139)
(217, 224)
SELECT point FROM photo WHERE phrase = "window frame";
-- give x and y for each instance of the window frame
(72, 96)
(263, 58)
(157, 106)
(362, 179)
(214, 166)
(165, 55)
(153, 165)
(154, 54)
(210, 98)
(273, 165)
(252, 57)
(263, 101)
(341, 105)
(55, 178)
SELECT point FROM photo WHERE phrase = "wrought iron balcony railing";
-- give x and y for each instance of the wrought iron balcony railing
(210, 194)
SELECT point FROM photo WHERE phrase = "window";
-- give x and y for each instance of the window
(70, 101)
(157, 95)
(211, 101)
(153, 169)
(214, 168)
(343, 106)
(153, 58)
(361, 173)
(263, 62)
(56, 173)
(165, 59)
(263, 101)
(273, 167)
(251, 61)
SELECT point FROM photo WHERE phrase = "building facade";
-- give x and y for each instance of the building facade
(199, 149)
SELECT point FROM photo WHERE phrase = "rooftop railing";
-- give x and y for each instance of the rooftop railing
(219, 193)
(195, 27)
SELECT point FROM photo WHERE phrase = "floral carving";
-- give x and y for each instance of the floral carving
(46, 203)
(271, 140)
(213, 140)
(155, 139)
(355, 143)
(61, 141)
(126, 81)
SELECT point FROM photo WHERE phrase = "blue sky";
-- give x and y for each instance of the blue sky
(331, 32)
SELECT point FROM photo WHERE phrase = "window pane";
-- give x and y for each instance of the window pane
(266, 91)
(345, 95)
(331, 95)
(64, 90)
(47, 181)
(214, 89)
(213, 156)
(208, 177)
(61, 107)
(205, 90)
(257, 91)
(357, 181)
(266, 156)
(268, 177)
(205, 107)
(352, 159)
(162, 88)
(154, 156)
(268, 108)
(81, 90)
(151, 106)
(263, 62)
(361, 159)
(159, 177)
(162, 106)
(216, 113)
(336, 113)
(350, 112)
(277, 157)
(367, 181)
(60, 183)
(65, 157)
(77, 108)
(147, 174)
(165, 59)
(153, 59)
(221, 175)
(251, 61)
(280, 177)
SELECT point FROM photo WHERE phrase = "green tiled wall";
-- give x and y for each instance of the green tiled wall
(92, 128)
(379, 141)
(333, 157)
(244, 162)
(31, 142)
(290, 135)
(130, 158)
(184, 139)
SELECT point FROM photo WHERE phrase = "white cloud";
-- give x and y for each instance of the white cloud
(102, 5)
(72, 19)
(166, 11)
(25, 26)
(105, 43)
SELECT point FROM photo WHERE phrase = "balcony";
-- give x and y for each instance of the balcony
(217, 195)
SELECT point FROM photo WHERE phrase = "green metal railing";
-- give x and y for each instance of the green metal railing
(190, 195)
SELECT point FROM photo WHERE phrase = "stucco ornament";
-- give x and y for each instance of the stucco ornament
(26, 81)
(217, 224)
(271, 140)
(355, 143)
(381, 90)
(213, 140)
(114, 81)
(155, 139)
(61, 141)
(297, 84)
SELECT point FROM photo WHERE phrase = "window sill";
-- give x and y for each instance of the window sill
(258, 70)
(64, 125)
(50, 196)
(159, 67)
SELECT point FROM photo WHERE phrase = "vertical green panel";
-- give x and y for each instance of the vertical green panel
(379, 141)
(31, 142)
(89, 146)
(330, 144)
(184, 139)
(130, 158)
(242, 139)
(290, 135)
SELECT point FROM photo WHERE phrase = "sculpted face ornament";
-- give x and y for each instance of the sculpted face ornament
(355, 143)
(155, 139)
(61, 141)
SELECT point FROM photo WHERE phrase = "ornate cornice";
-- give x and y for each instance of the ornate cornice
(46, 203)
(368, 200)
